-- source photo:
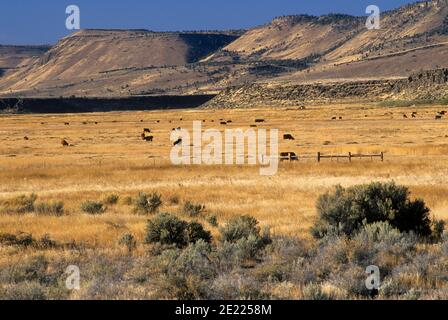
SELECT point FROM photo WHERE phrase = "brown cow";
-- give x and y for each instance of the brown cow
(147, 130)
(438, 117)
(65, 143)
(149, 138)
(288, 137)
(259, 120)
(26, 138)
(143, 136)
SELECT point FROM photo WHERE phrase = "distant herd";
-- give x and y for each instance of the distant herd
(147, 136)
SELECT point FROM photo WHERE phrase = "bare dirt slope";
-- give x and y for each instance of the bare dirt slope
(86, 58)
(13, 57)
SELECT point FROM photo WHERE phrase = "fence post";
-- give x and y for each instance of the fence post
(382, 156)
(318, 157)
(350, 157)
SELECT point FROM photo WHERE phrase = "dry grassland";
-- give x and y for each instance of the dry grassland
(110, 157)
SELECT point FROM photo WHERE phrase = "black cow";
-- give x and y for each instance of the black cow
(177, 142)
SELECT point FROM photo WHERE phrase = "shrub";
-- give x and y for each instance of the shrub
(346, 210)
(26, 240)
(174, 200)
(167, 229)
(93, 207)
(244, 232)
(21, 240)
(147, 204)
(239, 227)
(193, 210)
(21, 204)
(314, 291)
(111, 199)
(212, 220)
(53, 208)
(438, 227)
(195, 232)
(129, 241)
(25, 291)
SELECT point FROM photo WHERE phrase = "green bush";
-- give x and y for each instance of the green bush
(167, 229)
(129, 241)
(147, 204)
(346, 210)
(93, 207)
(239, 227)
(212, 220)
(192, 209)
(195, 232)
(52, 208)
(111, 199)
(245, 234)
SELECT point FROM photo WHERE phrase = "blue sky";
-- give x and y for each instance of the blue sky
(43, 21)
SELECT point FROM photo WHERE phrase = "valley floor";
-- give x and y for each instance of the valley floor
(108, 156)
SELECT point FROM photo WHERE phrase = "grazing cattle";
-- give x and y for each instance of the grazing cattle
(177, 142)
(442, 113)
(147, 130)
(26, 138)
(229, 121)
(223, 123)
(438, 117)
(253, 125)
(67, 123)
(143, 136)
(158, 121)
(96, 122)
(414, 114)
(259, 120)
(288, 156)
(334, 118)
(405, 116)
(64, 143)
(340, 118)
(288, 137)
(181, 119)
(141, 120)
(149, 138)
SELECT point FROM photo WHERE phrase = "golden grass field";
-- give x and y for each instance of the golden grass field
(110, 157)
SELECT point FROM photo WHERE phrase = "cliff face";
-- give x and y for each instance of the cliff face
(432, 84)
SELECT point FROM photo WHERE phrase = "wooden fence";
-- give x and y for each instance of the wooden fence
(350, 156)
(291, 156)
